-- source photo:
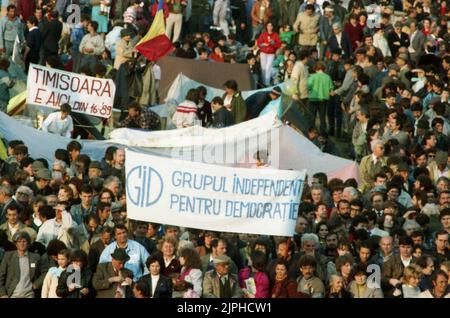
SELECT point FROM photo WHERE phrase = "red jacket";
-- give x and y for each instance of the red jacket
(25, 8)
(165, 9)
(272, 40)
(214, 57)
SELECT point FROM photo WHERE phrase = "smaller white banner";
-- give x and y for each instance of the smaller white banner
(85, 94)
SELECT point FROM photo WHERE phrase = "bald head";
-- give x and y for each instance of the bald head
(386, 245)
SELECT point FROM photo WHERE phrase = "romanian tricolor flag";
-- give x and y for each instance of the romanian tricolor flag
(155, 44)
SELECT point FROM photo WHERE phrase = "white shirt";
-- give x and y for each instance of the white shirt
(442, 173)
(227, 100)
(410, 48)
(167, 262)
(339, 39)
(155, 280)
(375, 159)
(13, 228)
(406, 262)
(54, 124)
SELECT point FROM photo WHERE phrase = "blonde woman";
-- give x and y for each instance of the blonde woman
(411, 279)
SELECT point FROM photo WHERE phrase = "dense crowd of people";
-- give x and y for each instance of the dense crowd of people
(377, 74)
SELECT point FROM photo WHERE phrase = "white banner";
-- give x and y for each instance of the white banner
(197, 195)
(87, 95)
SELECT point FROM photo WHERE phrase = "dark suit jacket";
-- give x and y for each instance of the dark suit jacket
(34, 42)
(163, 288)
(403, 39)
(418, 44)
(62, 290)
(10, 271)
(346, 45)
(94, 254)
(51, 34)
(45, 263)
(104, 288)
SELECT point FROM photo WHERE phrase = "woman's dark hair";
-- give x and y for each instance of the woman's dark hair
(79, 256)
(109, 153)
(281, 261)
(94, 24)
(155, 257)
(47, 212)
(307, 260)
(342, 260)
(90, 217)
(359, 270)
(192, 95)
(65, 108)
(320, 224)
(231, 84)
(437, 273)
(182, 286)
(65, 252)
(143, 288)
(54, 247)
(191, 258)
(63, 155)
(259, 260)
(106, 190)
(74, 145)
(423, 260)
(202, 90)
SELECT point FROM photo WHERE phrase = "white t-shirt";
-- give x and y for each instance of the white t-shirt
(54, 124)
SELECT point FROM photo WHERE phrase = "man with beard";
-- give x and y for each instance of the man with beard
(331, 242)
(444, 201)
(343, 213)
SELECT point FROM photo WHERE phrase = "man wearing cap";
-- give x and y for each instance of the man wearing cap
(19, 270)
(439, 167)
(219, 282)
(397, 39)
(258, 101)
(23, 195)
(95, 170)
(37, 164)
(112, 279)
(124, 48)
(138, 254)
(41, 184)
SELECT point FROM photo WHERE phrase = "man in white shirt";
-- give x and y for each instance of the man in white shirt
(59, 123)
